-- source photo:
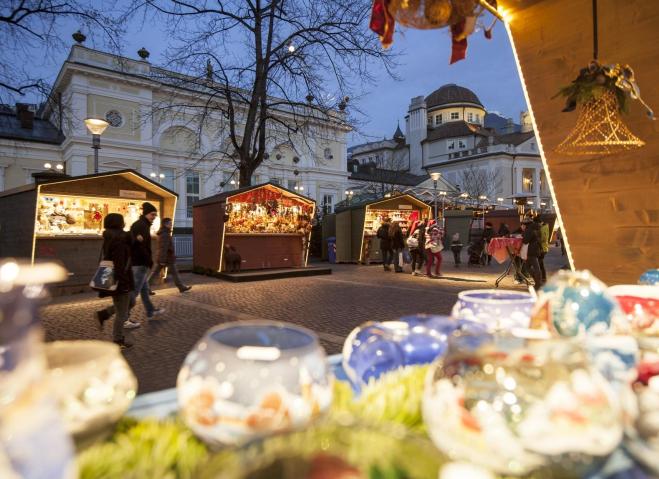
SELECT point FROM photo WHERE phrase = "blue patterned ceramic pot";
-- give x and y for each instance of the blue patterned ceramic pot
(494, 308)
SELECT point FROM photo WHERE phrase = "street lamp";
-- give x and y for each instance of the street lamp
(435, 177)
(349, 194)
(96, 127)
(443, 195)
(483, 198)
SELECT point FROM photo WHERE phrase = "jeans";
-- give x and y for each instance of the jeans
(397, 262)
(387, 256)
(438, 261)
(121, 305)
(171, 268)
(141, 275)
(456, 255)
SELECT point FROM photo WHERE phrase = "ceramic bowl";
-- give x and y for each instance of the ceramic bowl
(248, 379)
(92, 384)
(375, 348)
(516, 405)
(497, 309)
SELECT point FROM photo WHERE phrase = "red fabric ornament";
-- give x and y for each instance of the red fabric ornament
(382, 22)
(458, 47)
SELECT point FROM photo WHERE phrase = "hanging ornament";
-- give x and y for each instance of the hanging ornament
(459, 15)
(602, 92)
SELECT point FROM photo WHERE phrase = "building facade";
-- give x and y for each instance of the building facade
(159, 143)
(476, 152)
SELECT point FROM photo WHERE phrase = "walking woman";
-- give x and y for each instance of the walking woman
(434, 251)
(116, 248)
(385, 243)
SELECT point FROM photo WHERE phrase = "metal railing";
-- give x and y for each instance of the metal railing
(183, 246)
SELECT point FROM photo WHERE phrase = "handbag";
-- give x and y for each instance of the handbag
(524, 251)
(104, 279)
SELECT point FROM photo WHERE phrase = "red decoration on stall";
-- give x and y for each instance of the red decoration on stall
(458, 47)
(382, 22)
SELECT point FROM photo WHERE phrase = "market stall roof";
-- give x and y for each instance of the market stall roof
(222, 197)
(616, 193)
(371, 202)
(131, 175)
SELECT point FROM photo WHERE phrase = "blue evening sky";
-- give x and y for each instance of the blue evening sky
(489, 70)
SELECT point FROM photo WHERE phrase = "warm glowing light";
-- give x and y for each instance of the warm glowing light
(291, 48)
(48, 166)
(96, 126)
(482, 197)
(506, 16)
(9, 272)
(500, 200)
(464, 195)
(566, 241)
(233, 182)
(152, 175)
(443, 193)
(258, 353)
(60, 166)
(435, 175)
(161, 175)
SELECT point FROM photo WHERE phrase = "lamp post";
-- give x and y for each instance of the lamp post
(96, 127)
(483, 198)
(435, 177)
(349, 194)
(443, 195)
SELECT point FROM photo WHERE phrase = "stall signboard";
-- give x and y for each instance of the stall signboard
(137, 195)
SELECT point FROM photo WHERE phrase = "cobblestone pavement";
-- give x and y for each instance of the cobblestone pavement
(330, 305)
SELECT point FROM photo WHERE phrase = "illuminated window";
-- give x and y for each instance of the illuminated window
(527, 180)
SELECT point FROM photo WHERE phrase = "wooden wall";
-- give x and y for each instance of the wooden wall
(208, 222)
(609, 204)
(17, 224)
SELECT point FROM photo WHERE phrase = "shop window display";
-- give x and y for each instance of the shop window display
(375, 218)
(268, 211)
(72, 215)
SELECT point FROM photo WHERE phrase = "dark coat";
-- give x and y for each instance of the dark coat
(532, 238)
(397, 239)
(422, 235)
(165, 247)
(117, 248)
(383, 234)
(488, 234)
(141, 254)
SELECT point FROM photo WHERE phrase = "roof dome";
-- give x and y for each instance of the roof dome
(452, 94)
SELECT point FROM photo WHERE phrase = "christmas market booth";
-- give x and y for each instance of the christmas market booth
(357, 225)
(61, 218)
(252, 228)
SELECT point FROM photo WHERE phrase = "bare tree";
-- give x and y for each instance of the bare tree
(265, 72)
(31, 27)
(386, 175)
(480, 182)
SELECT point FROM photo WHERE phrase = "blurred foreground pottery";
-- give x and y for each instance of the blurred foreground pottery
(575, 303)
(248, 379)
(516, 405)
(92, 384)
(496, 309)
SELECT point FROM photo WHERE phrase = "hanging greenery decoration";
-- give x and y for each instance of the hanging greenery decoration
(602, 92)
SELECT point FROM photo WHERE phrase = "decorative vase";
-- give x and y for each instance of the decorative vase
(92, 384)
(251, 378)
(494, 308)
(33, 440)
(375, 348)
(521, 404)
(575, 303)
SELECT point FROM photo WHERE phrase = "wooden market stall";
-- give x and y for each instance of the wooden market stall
(356, 226)
(609, 204)
(61, 218)
(267, 225)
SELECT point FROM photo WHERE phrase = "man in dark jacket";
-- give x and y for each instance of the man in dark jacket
(385, 244)
(116, 248)
(488, 234)
(142, 259)
(531, 237)
(166, 257)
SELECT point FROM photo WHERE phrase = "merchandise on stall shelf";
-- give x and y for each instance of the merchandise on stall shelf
(378, 347)
(521, 404)
(640, 304)
(650, 277)
(643, 441)
(336, 450)
(79, 215)
(374, 219)
(33, 439)
(496, 309)
(92, 384)
(251, 379)
(574, 303)
(266, 210)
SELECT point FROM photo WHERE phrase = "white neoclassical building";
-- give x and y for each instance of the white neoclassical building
(165, 147)
(450, 132)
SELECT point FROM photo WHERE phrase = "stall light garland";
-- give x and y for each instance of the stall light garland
(602, 91)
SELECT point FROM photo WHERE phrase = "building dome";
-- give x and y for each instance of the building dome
(452, 94)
